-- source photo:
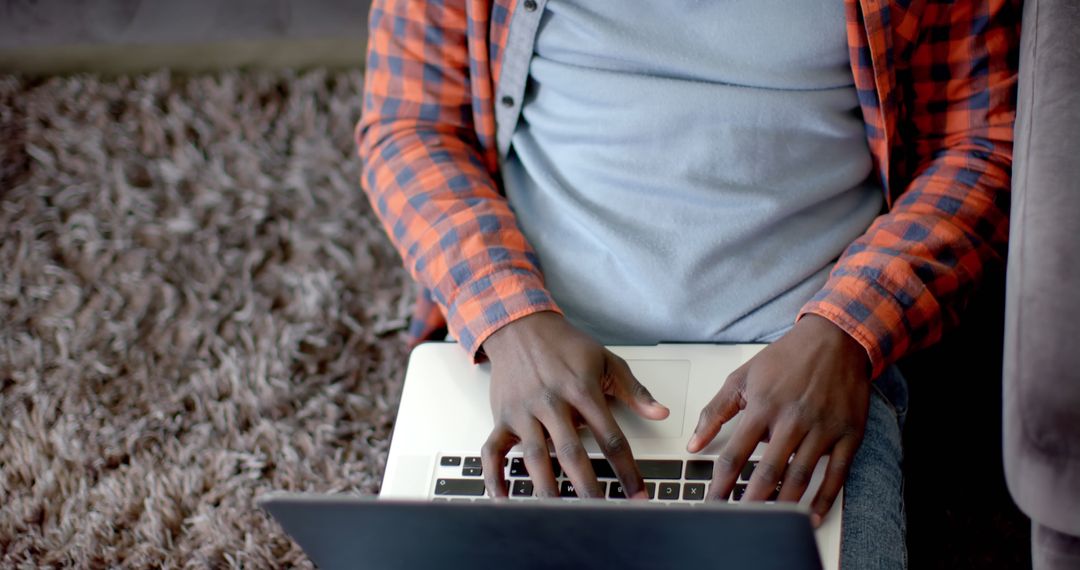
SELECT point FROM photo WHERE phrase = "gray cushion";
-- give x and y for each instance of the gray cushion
(1042, 337)
(153, 22)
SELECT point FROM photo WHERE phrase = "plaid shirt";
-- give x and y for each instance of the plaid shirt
(936, 82)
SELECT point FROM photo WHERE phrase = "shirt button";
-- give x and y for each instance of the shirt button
(507, 101)
(530, 5)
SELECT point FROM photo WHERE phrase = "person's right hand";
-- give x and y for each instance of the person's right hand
(547, 376)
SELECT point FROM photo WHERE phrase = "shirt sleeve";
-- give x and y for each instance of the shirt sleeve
(898, 286)
(428, 177)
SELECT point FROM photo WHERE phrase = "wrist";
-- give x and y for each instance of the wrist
(834, 338)
(519, 332)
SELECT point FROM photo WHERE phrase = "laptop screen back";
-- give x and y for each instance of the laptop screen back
(359, 532)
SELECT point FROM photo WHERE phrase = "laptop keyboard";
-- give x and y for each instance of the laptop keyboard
(461, 478)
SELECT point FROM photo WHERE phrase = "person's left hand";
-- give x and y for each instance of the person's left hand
(808, 394)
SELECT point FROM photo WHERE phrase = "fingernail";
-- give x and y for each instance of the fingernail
(642, 494)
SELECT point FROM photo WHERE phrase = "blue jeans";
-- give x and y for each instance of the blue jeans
(873, 517)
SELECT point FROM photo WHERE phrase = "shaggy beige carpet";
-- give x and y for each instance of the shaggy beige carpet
(196, 307)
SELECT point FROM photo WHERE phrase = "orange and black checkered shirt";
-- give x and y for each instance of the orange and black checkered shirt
(936, 81)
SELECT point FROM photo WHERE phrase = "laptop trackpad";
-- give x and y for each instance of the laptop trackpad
(667, 380)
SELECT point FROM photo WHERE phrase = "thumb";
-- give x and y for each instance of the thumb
(627, 389)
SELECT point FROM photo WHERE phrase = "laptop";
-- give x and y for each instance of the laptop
(362, 532)
(433, 505)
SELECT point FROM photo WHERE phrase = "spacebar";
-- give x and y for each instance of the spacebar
(660, 468)
(460, 487)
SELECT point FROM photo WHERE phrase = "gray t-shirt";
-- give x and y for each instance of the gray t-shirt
(689, 170)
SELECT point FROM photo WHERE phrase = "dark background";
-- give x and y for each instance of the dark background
(960, 514)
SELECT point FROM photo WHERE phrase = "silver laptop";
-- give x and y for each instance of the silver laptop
(444, 419)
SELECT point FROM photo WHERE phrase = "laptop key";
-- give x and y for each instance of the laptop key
(737, 492)
(668, 491)
(472, 471)
(567, 489)
(522, 488)
(517, 468)
(555, 467)
(603, 469)
(450, 461)
(618, 493)
(699, 470)
(660, 468)
(461, 487)
(693, 492)
(747, 470)
(472, 462)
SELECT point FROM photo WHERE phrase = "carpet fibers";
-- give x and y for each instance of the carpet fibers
(197, 306)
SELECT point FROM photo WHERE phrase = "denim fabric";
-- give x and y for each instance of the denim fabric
(874, 523)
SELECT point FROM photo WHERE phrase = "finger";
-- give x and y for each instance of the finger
(630, 391)
(571, 452)
(733, 456)
(534, 451)
(782, 443)
(491, 458)
(614, 445)
(723, 406)
(835, 474)
(801, 469)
